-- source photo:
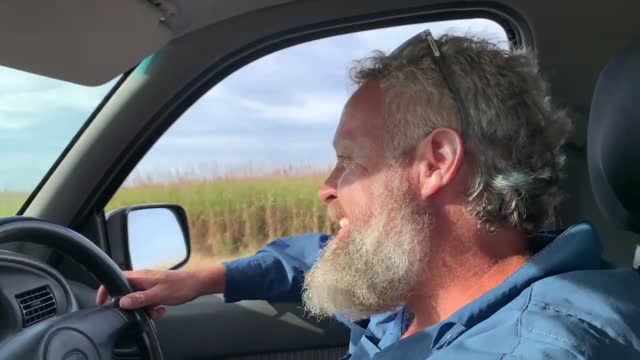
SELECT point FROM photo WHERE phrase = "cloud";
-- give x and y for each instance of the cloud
(390, 38)
(311, 108)
(66, 97)
(308, 83)
(13, 124)
(27, 99)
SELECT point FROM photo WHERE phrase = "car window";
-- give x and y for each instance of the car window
(246, 160)
(38, 117)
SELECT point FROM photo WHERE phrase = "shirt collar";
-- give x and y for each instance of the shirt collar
(577, 248)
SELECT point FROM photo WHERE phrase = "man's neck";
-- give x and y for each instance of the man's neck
(461, 269)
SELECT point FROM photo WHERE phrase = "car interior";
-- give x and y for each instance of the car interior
(169, 53)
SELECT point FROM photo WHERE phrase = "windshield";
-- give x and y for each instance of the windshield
(38, 117)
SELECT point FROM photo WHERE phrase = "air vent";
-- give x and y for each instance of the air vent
(36, 305)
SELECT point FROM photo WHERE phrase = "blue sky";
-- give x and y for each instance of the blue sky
(280, 110)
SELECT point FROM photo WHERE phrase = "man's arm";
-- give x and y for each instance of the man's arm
(275, 273)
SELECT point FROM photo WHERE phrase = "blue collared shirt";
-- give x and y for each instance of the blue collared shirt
(565, 302)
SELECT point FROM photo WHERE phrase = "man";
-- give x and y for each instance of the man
(448, 163)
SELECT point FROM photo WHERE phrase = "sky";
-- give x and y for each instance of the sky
(279, 111)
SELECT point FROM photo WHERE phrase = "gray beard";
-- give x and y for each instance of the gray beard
(377, 264)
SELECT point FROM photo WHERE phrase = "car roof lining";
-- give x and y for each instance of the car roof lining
(90, 42)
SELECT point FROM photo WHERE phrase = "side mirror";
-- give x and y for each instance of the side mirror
(150, 236)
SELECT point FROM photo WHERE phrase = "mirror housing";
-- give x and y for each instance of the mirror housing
(135, 234)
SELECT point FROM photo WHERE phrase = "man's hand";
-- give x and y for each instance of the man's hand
(153, 288)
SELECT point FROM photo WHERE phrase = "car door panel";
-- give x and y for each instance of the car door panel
(208, 326)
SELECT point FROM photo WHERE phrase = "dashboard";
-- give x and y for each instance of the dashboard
(30, 292)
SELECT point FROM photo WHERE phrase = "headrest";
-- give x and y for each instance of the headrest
(613, 144)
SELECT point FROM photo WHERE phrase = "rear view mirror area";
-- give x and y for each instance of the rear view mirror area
(150, 236)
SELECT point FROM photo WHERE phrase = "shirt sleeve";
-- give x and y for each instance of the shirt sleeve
(275, 272)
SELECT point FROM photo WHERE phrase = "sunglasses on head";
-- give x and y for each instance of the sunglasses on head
(439, 59)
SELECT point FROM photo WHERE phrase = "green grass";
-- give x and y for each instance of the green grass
(10, 202)
(237, 215)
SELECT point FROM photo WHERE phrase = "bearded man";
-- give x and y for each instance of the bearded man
(448, 163)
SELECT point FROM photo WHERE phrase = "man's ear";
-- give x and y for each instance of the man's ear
(438, 159)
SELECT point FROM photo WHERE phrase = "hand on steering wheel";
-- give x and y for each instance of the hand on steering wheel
(154, 288)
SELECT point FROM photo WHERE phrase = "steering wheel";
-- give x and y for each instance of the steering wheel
(87, 334)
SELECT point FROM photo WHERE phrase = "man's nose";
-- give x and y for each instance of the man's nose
(327, 193)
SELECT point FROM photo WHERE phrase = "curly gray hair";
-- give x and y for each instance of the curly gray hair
(514, 134)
